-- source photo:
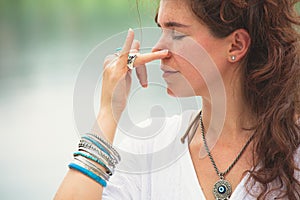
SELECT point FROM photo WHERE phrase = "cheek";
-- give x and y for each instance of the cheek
(191, 73)
(197, 62)
(195, 80)
(188, 69)
(191, 78)
(198, 76)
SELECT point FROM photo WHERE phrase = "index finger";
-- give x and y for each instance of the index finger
(128, 42)
(148, 57)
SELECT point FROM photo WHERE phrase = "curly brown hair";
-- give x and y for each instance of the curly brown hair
(271, 77)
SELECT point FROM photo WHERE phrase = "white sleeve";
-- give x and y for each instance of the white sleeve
(128, 181)
(132, 179)
(125, 183)
(123, 186)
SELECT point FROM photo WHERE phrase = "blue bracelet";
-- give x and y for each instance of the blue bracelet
(94, 159)
(88, 173)
(97, 144)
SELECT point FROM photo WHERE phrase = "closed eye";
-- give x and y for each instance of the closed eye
(177, 35)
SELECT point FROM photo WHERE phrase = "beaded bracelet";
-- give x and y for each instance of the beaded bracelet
(91, 167)
(93, 150)
(92, 157)
(88, 173)
(87, 144)
(102, 148)
(107, 144)
(108, 166)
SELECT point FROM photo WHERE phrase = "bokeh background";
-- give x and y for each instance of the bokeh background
(42, 45)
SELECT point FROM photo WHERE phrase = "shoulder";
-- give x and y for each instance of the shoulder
(151, 136)
(153, 129)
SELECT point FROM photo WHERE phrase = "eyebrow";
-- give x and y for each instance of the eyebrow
(172, 25)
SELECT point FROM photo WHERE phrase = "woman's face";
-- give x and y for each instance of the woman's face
(194, 52)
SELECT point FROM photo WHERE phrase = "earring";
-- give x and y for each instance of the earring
(233, 57)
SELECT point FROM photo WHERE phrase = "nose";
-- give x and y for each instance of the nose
(162, 44)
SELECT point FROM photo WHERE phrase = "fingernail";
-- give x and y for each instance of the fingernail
(145, 85)
(165, 51)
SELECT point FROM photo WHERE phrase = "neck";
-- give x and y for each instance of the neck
(236, 116)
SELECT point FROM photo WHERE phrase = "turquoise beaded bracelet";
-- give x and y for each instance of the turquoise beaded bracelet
(108, 170)
(88, 173)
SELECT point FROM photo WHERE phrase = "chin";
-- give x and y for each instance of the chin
(170, 92)
(180, 93)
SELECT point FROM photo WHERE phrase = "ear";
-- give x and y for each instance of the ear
(239, 44)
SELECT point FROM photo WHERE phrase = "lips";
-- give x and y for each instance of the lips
(168, 72)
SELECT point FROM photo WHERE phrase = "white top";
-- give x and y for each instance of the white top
(161, 167)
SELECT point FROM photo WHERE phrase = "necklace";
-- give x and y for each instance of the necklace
(222, 189)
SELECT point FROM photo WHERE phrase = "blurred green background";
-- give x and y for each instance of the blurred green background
(61, 30)
(42, 45)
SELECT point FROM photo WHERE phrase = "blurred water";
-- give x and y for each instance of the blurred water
(38, 135)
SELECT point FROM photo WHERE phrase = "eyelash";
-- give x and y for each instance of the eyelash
(177, 37)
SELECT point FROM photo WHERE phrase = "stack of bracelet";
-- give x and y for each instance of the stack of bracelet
(94, 150)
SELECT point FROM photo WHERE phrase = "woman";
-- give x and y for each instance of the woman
(255, 48)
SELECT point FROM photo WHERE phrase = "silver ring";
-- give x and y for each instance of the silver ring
(117, 54)
(130, 61)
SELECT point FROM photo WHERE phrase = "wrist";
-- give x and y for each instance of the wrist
(106, 123)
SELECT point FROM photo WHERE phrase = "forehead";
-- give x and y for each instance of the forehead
(175, 10)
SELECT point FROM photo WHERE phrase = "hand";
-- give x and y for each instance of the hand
(117, 77)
